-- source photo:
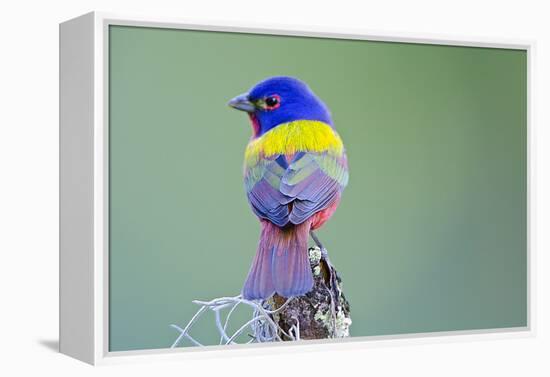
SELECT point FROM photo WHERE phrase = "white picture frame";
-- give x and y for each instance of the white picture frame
(84, 331)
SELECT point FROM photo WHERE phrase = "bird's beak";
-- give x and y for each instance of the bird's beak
(242, 102)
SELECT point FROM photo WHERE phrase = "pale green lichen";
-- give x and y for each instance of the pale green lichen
(316, 270)
(324, 318)
(314, 256)
(342, 324)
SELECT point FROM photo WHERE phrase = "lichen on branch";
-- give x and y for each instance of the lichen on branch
(322, 313)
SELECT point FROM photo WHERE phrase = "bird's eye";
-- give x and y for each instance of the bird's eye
(272, 102)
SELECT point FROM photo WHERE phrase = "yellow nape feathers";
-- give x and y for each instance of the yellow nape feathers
(293, 137)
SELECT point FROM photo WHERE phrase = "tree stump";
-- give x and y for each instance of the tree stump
(322, 313)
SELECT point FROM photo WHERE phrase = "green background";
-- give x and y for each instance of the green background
(431, 231)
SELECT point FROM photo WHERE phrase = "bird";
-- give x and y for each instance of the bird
(295, 170)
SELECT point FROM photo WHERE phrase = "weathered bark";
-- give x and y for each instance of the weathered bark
(322, 313)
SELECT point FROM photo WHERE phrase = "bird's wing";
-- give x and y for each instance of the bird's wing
(313, 181)
(262, 183)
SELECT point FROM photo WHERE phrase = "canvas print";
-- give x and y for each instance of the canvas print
(267, 188)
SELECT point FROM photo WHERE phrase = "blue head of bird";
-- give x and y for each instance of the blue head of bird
(279, 100)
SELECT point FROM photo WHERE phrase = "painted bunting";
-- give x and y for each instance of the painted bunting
(295, 170)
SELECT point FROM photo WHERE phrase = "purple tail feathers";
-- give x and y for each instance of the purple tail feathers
(281, 264)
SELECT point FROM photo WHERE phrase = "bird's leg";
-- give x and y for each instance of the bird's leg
(324, 255)
(317, 241)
